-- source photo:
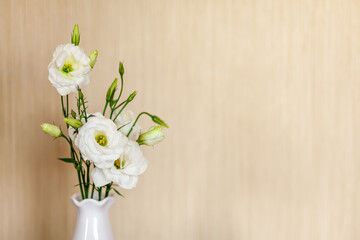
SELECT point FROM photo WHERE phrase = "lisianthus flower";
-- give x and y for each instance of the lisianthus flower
(99, 141)
(69, 69)
(124, 170)
(125, 121)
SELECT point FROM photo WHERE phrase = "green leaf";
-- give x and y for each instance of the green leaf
(78, 185)
(123, 126)
(117, 192)
(73, 113)
(68, 160)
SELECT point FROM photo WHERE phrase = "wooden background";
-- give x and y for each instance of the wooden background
(263, 100)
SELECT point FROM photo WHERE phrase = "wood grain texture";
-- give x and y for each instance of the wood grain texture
(263, 100)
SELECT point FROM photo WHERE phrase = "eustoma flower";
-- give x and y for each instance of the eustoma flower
(69, 69)
(99, 141)
(124, 170)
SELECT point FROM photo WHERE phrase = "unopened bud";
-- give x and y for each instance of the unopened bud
(52, 130)
(157, 120)
(73, 122)
(121, 69)
(151, 137)
(131, 97)
(111, 91)
(93, 57)
(75, 38)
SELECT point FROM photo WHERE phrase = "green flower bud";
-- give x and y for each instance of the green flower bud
(157, 120)
(73, 122)
(121, 69)
(75, 38)
(131, 97)
(93, 57)
(151, 137)
(111, 91)
(52, 130)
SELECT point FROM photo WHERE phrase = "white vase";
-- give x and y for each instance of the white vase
(92, 220)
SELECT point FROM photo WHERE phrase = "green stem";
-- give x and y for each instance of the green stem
(105, 107)
(117, 100)
(74, 155)
(108, 187)
(83, 104)
(113, 110)
(73, 152)
(67, 105)
(62, 105)
(82, 192)
(87, 177)
(83, 176)
(99, 191)
(92, 191)
(137, 120)
(77, 164)
(121, 89)
(79, 108)
(126, 103)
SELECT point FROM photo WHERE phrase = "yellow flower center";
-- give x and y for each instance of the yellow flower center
(120, 164)
(67, 67)
(101, 140)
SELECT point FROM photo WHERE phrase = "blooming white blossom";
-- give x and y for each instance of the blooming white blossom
(69, 69)
(124, 170)
(125, 121)
(99, 141)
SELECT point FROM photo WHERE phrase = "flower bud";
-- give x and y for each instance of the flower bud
(73, 122)
(75, 38)
(121, 69)
(93, 57)
(157, 120)
(151, 137)
(52, 130)
(111, 91)
(131, 97)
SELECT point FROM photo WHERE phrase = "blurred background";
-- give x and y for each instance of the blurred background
(262, 99)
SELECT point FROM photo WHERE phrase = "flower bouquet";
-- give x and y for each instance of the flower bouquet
(104, 145)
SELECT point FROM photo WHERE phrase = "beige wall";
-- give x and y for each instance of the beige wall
(263, 100)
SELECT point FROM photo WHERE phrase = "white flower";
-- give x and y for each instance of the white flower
(69, 69)
(99, 141)
(125, 121)
(125, 170)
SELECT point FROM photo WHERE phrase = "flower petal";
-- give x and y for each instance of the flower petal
(99, 178)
